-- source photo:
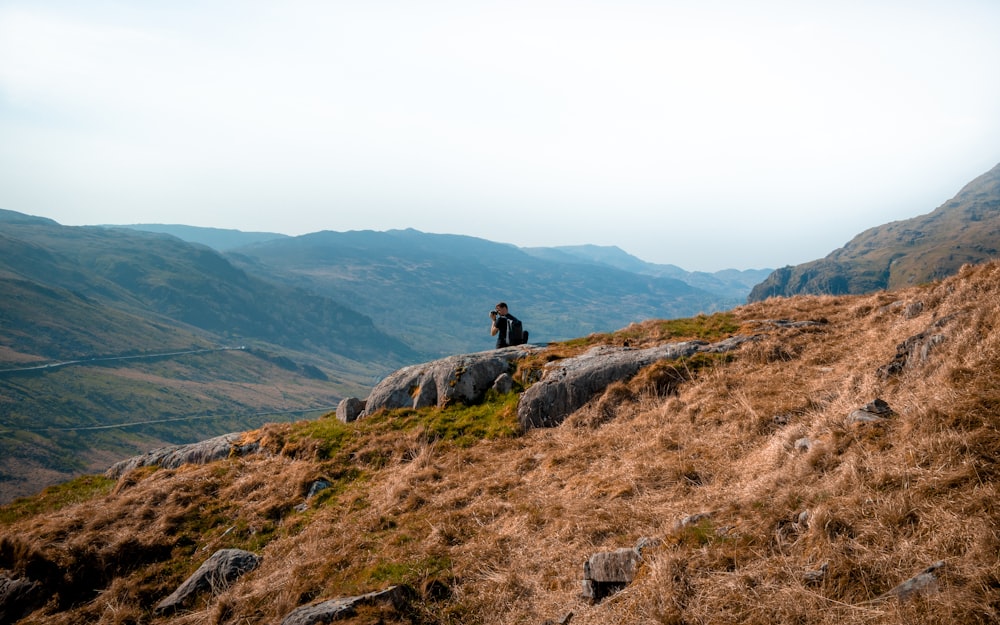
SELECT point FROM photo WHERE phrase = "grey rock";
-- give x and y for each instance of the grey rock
(915, 349)
(19, 597)
(913, 310)
(619, 565)
(607, 572)
(350, 408)
(692, 519)
(923, 583)
(173, 456)
(317, 487)
(503, 384)
(875, 411)
(861, 416)
(463, 378)
(816, 576)
(568, 384)
(334, 609)
(214, 575)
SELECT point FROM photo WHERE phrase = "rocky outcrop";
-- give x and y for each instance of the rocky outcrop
(397, 597)
(568, 384)
(174, 456)
(607, 572)
(464, 378)
(924, 583)
(19, 597)
(215, 575)
(350, 408)
(915, 349)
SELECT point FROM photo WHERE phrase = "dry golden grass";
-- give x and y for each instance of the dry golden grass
(497, 532)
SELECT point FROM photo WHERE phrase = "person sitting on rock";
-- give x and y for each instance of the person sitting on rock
(502, 322)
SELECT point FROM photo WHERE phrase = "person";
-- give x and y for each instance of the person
(501, 324)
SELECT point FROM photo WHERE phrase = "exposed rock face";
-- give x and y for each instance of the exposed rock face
(915, 349)
(195, 453)
(923, 583)
(215, 574)
(607, 572)
(350, 409)
(327, 611)
(463, 378)
(568, 384)
(19, 597)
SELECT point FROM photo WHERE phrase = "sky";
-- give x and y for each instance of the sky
(707, 134)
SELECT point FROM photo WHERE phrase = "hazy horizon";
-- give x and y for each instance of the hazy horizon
(709, 136)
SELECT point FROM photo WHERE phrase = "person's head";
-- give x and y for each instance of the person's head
(502, 308)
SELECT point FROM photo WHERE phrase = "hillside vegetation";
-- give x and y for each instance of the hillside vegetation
(965, 229)
(806, 515)
(111, 301)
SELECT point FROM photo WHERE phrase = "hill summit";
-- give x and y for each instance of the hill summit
(840, 467)
(965, 229)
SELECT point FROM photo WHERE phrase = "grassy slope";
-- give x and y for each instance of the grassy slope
(496, 530)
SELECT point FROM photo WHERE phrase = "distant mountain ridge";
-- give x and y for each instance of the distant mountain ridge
(435, 290)
(727, 283)
(220, 239)
(451, 277)
(965, 229)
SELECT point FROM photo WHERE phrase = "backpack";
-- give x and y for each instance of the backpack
(516, 334)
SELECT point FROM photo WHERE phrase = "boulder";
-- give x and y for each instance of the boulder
(215, 575)
(568, 384)
(923, 583)
(350, 408)
(19, 597)
(173, 456)
(464, 378)
(327, 611)
(607, 572)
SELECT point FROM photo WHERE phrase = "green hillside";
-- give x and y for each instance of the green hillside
(145, 321)
(435, 290)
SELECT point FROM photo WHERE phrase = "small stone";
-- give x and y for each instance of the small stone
(815, 576)
(692, 519)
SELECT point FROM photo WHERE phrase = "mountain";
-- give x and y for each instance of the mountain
(965, 229)
(732, 285)
(840, 469)
(221, 239)
(435, 290)
(113, 341)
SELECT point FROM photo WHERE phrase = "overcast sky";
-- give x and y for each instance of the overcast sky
(707, 134)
